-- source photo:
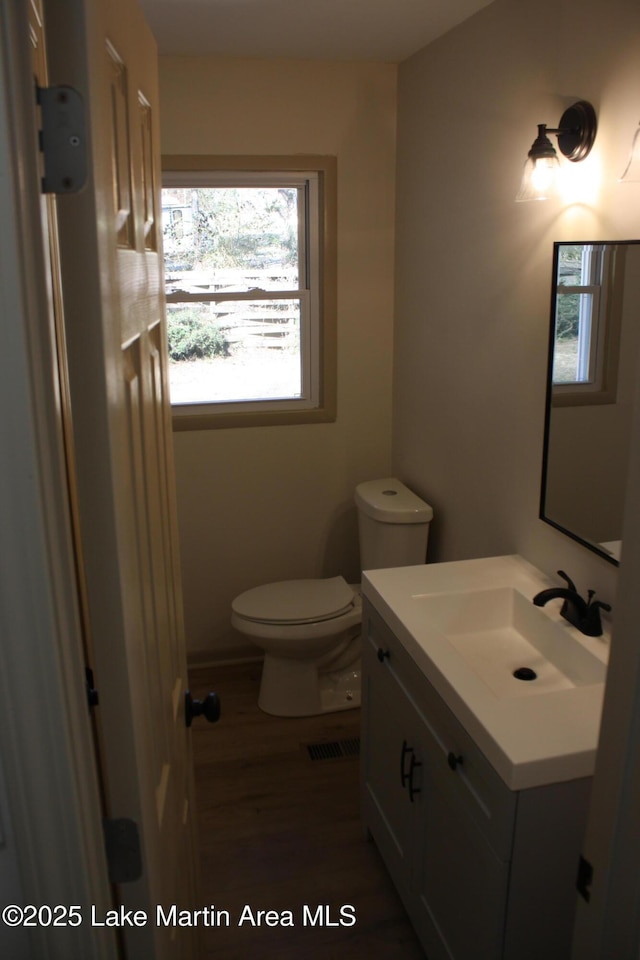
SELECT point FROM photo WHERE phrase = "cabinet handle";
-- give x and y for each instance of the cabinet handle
(404, 776)
(382, 654)
(454, 760)
(412, 768)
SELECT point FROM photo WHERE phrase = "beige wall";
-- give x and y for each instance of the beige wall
(473, 268)
(259, 504)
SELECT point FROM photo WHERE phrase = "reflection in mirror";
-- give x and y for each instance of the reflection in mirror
(593, 354)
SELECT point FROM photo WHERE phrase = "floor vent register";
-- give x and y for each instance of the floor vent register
(335, 750)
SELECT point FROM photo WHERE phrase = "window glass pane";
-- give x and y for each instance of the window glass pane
(572, 349)
(234, 350)
(231, 238)
(570, 265)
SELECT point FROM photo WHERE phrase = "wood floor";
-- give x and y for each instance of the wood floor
(278, 831)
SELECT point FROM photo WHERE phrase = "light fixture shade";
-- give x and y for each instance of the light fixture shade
(541, 171)
(539, 179)
(631, 172)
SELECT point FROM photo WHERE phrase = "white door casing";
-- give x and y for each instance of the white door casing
(45, 733)
(608, 925)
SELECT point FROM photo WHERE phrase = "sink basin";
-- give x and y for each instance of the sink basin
(468, 625)
(499, 633)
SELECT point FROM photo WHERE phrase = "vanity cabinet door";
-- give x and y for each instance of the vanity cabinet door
(391, 766)
(453, 883)
(462, 885)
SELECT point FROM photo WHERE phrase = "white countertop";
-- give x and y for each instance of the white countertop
(530, 741)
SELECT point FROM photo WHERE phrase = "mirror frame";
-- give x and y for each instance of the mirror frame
(590, 545)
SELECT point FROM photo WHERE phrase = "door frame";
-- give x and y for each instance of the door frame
(608, 924)
(45, 729)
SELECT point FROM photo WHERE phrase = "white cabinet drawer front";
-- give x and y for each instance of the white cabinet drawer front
(455, 763)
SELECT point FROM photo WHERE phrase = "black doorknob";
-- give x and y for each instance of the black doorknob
(209, 708)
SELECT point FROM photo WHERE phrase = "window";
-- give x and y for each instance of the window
(587, 320)
(250, 269)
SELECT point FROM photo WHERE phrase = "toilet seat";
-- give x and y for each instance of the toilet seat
(291, 602)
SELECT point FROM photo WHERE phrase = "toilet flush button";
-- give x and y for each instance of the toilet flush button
(389, 493)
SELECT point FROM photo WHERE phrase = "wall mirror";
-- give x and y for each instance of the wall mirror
(594, 343)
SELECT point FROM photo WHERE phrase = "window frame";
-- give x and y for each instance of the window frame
(605, 290)
(321, 350)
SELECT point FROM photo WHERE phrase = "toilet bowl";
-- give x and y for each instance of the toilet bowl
(310, 633)
(310, 629)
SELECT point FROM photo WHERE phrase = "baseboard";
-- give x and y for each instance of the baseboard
(201, 659)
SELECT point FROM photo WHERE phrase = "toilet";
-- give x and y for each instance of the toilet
(310, 629)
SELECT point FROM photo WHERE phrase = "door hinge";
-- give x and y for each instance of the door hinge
(122, 845)
(584, 878)
(93, 698)
(63, 141)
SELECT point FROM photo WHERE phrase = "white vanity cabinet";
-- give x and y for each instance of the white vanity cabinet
(484, 872)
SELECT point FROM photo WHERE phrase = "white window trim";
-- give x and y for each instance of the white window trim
(590, 341)
(603, 335)
(316, 290)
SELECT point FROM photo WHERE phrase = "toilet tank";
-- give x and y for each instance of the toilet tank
(393, 524)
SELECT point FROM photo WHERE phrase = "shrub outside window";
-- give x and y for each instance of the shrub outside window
(249, 253)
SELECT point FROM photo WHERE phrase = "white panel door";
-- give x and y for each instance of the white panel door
(114, 331)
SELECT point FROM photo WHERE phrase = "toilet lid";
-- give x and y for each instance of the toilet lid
(295, 601)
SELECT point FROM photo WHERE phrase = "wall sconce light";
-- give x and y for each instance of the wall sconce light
(632, 170)
(576, 134)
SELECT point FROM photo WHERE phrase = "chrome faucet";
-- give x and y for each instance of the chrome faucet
(580, 613)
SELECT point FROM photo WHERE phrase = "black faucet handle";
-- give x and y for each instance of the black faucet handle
(591, 625)
(568, 580)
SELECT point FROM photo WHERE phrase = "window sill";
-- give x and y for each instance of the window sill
(249, 418)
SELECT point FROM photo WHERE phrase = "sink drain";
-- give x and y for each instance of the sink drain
(525, 673)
